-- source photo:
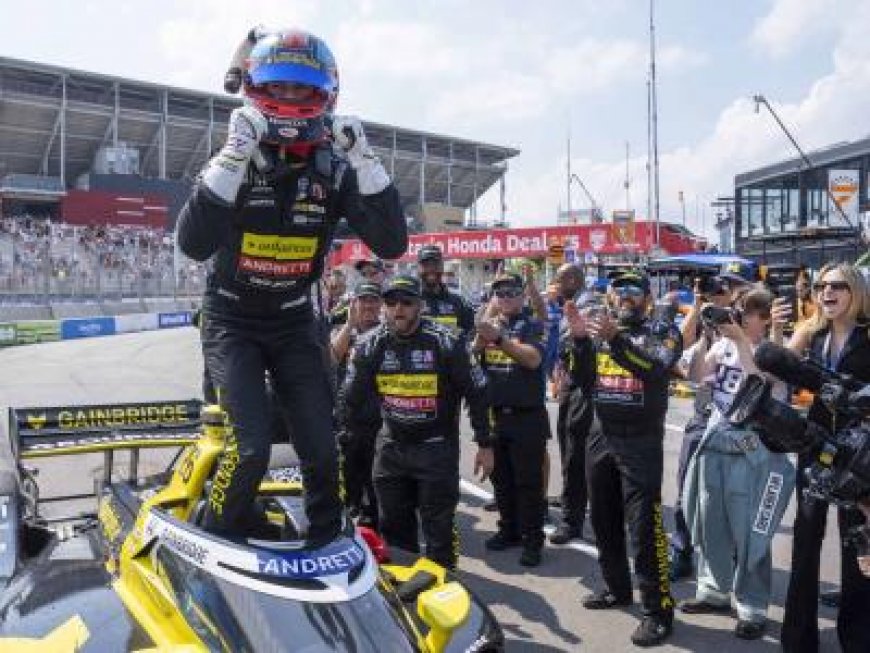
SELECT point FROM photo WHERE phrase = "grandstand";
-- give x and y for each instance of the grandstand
(63, 129)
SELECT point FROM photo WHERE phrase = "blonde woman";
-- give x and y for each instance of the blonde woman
(838, 337)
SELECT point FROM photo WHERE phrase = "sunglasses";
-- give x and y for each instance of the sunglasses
(508, 293)
(404, 301)
(629, 291)
(836, 286)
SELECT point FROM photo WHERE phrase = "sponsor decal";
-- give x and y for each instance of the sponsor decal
(187, 547)
(317, 191)
(422, 359)
(288, 132)
(390, 362)
(615, 384)
(496, 357)
(303, 219)
(106, 417)
(274, 268)
(36, 422)
(447, 320)
(408, 385)
(302, 188)
(176, 319)
(292, 474)
(278, 248)
(339, 557)
(7, 334)
(32, 447)
(87, 327)
(767, 507)
(308, 207)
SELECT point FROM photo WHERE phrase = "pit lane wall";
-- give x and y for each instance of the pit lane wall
(28, 332)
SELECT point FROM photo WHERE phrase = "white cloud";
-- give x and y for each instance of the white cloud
(832, 109)
(792, 22)
(405, 49)
(199, 42)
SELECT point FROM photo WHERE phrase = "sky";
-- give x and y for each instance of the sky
(525, 75)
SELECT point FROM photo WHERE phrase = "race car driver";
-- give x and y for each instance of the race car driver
(441, 304)
(418, 372)
(264, 211)
(634, 358)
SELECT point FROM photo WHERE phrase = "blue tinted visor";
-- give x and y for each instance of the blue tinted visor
(293, 73)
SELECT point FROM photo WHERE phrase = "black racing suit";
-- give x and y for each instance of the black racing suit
(418, 381)
(624, 459)
(800, 625)
(521, 427)
(356, 440)
(266, 252)
(449, 308)
(574, 419)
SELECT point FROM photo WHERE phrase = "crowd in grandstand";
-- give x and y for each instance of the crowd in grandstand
(39, 257)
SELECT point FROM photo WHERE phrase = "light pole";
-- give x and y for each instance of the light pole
(683, 206)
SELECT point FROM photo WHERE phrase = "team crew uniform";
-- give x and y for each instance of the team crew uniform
(418, 381)
(625, 460)
(574, 419)
(448, 308)
(356, 438)
(521, 427)
(268, 248)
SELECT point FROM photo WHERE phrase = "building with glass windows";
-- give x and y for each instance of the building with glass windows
(786, 212)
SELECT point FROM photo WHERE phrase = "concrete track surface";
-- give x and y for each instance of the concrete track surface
(539, 610)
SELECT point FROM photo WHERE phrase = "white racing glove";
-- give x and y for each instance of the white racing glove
(225, 172)
(350, 137)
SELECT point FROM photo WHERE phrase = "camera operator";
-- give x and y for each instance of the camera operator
(837, 338)
(634, 357)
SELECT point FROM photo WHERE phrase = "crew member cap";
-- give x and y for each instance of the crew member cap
(631, 278)
(367, 289)
(511, 279)
(430, 253)
(376, 262)
(403, 284)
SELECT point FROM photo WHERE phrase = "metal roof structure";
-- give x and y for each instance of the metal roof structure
(54, 120)
(831, 154)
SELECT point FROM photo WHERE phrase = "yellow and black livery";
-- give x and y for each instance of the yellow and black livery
(133, 571)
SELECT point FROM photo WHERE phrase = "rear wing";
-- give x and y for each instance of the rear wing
(65, 430)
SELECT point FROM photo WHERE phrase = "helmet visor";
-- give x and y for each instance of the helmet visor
(293, 73)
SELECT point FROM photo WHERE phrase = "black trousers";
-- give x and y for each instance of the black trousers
(238, 353)
(357, 455)
(800, 629)
(682, 537)
(422, 479)
(625, 478)
(572, 428)
(519, 447)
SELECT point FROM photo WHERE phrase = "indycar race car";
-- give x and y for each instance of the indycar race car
(135, 572)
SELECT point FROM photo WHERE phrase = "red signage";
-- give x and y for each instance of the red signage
(535, 242)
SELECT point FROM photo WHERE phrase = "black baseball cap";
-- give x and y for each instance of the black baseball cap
(376, 262)
(402, 284)
(430, 253)
(367, 289)
(631, 278)
(511, 279)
